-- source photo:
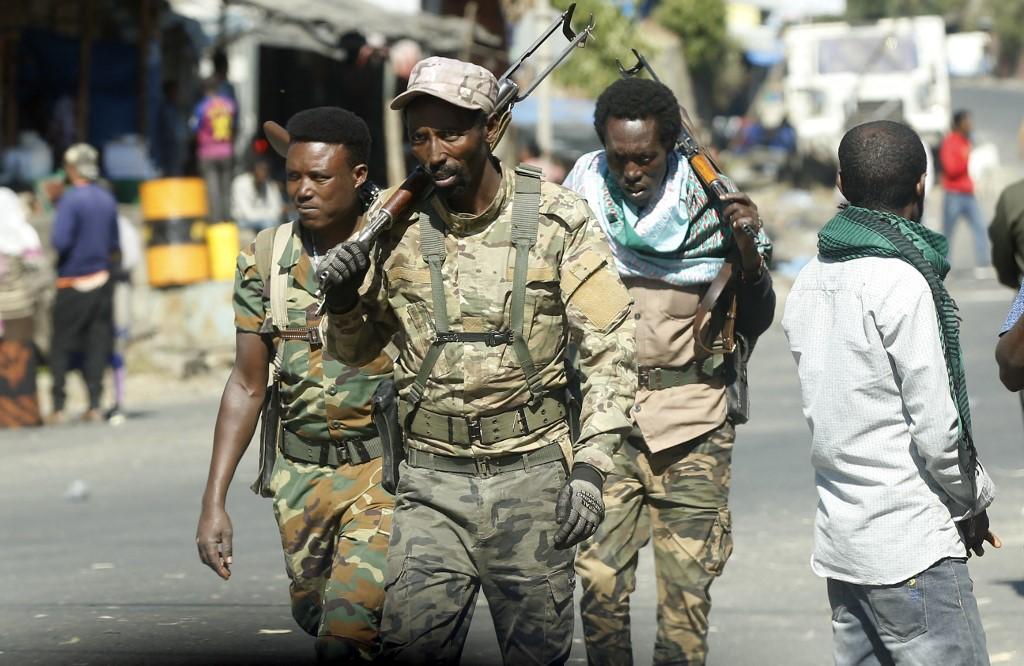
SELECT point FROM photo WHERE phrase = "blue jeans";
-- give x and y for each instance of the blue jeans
(956, 205)
(217, 177)
(931, 618)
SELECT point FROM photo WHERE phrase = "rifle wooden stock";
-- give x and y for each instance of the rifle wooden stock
(416, 187)
(708, 175)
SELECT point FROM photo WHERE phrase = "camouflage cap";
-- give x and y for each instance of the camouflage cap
(85, 159)
(454, 81)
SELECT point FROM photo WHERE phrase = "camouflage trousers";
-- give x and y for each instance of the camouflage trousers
(455, 533)
(335, 524)
(680, 496)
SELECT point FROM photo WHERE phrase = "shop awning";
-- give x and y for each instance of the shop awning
(316, 24)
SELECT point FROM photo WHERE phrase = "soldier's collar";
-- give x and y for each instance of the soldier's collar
(465, 223)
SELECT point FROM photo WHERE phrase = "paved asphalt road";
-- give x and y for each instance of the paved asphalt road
(997, 113)
(115, 579)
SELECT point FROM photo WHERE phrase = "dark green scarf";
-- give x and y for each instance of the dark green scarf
(859, 232)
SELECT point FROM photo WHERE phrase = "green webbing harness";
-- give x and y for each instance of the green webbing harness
(525, 213)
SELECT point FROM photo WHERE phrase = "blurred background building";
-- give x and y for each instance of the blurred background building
(771, 84)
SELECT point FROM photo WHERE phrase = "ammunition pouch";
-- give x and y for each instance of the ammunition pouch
(270, 435)
(573, 393)
(389, 428)
(737, 393)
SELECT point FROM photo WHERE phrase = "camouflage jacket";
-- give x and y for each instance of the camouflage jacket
(573, 290)
(322, 398)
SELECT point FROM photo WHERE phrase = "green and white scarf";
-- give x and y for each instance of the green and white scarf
(678, 239)
(859, 232)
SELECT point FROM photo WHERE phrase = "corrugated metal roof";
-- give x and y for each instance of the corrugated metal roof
(317, 24)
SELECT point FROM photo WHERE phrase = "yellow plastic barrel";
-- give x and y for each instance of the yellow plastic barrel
(222, 245)
(174, 214)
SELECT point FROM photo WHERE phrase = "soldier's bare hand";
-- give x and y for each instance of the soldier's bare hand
(213, 539)
(741, 213)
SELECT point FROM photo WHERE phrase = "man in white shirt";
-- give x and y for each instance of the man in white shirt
(256, 201)
(902, 496)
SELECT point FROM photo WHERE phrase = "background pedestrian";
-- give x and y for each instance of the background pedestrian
(20, 267)
(214, 123)
(256, 201)
(86, 239)
(958, 187)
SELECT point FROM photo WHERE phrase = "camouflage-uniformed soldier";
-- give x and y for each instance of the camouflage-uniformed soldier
(671, 478)
(333, 514)
(484, 286)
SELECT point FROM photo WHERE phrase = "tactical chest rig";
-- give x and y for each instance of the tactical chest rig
(273, 436)
(541, 410)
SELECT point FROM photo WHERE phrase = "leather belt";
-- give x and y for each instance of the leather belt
(355, 451)
(483, 430)
(310, 334)
(692, 373)
(485, 466)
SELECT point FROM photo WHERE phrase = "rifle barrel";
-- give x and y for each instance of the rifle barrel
(578, 40)
(562, 21)
(420, 184)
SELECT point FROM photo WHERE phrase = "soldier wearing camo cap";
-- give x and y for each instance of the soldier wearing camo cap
(484, 286)
(333, 514)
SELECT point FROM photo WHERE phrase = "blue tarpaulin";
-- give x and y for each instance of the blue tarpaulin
(564, 111)
(572, 122)
(49, 69)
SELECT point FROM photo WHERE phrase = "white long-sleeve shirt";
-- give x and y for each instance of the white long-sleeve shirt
(867, 345)
(249, 206)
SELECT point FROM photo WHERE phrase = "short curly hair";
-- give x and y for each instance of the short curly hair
(334, 125)
(639, 99)
(880, 164)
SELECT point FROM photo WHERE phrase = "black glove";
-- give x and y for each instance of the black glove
(580, 507)
(973, 531)
(341, 273)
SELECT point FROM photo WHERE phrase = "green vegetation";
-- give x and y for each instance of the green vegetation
(593, 69)
(712, 58)
(700, 25)
(1008, 27)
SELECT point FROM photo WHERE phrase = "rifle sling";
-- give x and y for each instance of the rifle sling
(525, 212)
(719, 286)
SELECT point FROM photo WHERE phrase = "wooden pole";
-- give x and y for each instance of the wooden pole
(85, 67)
(469, 16)
(545, 129)
(7, 105)
(393, 144)
(145, 39)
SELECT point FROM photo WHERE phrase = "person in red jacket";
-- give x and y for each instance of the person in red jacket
(959, 200)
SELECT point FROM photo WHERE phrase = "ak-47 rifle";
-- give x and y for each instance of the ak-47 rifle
(419, 184)
(716, 185)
